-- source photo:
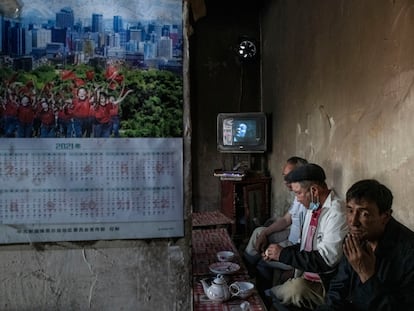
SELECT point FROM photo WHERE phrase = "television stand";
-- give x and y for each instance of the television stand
(246, 202)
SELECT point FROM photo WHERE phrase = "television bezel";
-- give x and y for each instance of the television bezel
(243, 147)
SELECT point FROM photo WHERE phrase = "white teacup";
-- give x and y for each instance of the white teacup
(241, 289)
(225, 256)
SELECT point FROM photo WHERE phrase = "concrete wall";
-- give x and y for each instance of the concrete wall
(118, 275)
(219, 83)
(338, 79)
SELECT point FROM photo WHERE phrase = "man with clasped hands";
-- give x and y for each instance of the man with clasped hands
(377, 271)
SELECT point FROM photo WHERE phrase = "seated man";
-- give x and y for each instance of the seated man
(320, 249)
(285, 230)
(377, 271)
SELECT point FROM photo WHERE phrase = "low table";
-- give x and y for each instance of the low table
(214, 219)
(202, 303)
(205, 245)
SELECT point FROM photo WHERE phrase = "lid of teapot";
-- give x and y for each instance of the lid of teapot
(219, 280)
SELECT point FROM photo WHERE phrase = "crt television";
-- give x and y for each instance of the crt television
(242, 132)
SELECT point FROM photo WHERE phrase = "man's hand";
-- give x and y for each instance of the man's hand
(261, 242)
(360, 256)
(272, 252)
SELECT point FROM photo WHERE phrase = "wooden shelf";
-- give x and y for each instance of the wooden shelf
(246, 202)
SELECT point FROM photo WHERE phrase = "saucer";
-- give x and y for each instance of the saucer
(224, 267)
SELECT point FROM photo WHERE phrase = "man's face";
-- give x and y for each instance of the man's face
(241, 130)
(286, 170)
(365, 221)
(302, 195)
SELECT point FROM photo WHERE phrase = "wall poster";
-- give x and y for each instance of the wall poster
(91, 121)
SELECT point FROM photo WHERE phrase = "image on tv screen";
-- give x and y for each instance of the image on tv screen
(244, 131)
(236, 131)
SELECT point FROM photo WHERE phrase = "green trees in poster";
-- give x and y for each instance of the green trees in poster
(155, 107)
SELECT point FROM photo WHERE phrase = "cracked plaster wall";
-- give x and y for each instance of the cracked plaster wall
(338, 79)
(122, 275)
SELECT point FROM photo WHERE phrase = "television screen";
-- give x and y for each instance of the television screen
(241, 132)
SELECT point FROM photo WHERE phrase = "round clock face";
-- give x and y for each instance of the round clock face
(247, 49)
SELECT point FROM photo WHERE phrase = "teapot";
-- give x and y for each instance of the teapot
(218, 290)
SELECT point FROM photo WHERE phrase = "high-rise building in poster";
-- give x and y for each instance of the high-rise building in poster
(118, 26)
(65, 18)
(97, 23)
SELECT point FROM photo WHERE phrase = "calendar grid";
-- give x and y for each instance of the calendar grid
(90, 181)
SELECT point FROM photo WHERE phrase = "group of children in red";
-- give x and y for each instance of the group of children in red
(86, 115)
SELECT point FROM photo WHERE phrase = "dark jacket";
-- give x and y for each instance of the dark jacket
(390, 289)
(308, 261)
